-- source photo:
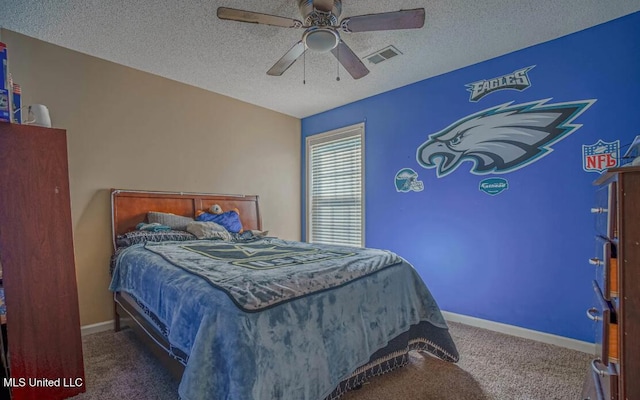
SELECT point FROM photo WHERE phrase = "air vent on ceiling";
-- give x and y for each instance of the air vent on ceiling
(383, 55)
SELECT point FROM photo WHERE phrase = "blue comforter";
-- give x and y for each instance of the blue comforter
(296, 349)
(264, 273)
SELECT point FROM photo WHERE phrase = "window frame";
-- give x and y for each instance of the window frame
(356, 130)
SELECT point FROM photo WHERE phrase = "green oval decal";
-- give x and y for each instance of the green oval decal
(494, 186)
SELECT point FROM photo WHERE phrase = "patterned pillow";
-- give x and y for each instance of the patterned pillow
(208, 230)
(135, 237)
(176, 222)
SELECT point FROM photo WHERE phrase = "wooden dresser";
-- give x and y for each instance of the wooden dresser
(37, 260)
(615, 371)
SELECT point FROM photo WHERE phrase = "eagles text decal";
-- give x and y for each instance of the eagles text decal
(517, 80)
(501, 139)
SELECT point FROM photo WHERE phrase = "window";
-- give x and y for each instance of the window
(335, 187)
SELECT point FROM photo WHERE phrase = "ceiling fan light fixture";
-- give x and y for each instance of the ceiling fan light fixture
(321, 40)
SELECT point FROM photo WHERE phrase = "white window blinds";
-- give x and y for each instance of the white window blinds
(335, 183)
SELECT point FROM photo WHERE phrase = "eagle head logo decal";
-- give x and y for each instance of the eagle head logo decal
(501, 139)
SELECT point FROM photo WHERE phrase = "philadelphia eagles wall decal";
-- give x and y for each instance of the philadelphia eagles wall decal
(501, 139)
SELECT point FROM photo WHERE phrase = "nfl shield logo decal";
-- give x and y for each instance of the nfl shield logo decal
(600, 156)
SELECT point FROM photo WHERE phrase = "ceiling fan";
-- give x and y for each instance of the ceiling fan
(322, 30)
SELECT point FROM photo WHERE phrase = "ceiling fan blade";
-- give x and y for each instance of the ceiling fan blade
(233, 14)
(287, 60)
(404, 19)
(349, 60)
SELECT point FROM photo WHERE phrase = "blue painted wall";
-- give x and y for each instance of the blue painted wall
(519, 257)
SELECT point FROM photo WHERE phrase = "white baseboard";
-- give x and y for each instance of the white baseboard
(95, 328)
(512, 330)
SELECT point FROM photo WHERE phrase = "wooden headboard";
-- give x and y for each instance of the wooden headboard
(130, 207)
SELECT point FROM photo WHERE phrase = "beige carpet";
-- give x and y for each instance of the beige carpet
(492, 366)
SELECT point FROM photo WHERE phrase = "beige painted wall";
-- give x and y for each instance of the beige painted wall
(129, 129)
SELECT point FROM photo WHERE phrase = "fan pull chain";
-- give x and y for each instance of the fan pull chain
(338, 62)
(304, 68)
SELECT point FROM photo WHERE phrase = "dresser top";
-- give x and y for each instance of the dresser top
(608, 174)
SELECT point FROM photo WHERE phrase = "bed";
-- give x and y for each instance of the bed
(259, 317)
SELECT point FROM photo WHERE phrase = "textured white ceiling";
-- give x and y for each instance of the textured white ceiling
(185, 41)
